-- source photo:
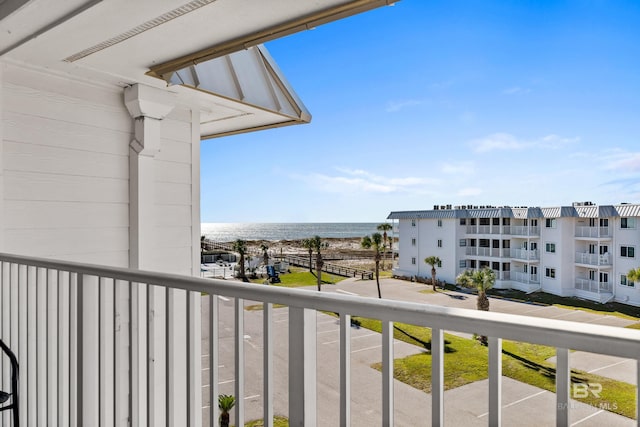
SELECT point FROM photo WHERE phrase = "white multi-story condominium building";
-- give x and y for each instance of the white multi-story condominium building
(581, 250)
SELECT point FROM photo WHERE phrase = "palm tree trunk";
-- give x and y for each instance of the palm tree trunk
(433, 278)
(310, 254)
(319, 265)
(483, 304)
(378, 277)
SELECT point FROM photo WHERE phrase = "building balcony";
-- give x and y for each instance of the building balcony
(593, 232)
(525, 254)
(487, 252)
(588, 285)
(526, 278)
(593, 259)
(520, 230)
(111, 346)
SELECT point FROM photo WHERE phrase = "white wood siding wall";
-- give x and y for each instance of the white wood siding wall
(64, 194)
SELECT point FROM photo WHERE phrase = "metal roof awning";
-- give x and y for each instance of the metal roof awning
(250, 77)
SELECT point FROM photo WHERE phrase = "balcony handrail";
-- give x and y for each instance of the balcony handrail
(563, 335)
(558, 333)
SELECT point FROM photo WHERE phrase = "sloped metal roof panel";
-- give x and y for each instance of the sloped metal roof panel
(628, 210)
(439, 214)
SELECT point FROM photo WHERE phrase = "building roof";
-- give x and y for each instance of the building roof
(590, 211)
(119, 43)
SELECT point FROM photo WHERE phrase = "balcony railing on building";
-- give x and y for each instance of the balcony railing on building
(525, 230)
(111, 346)
(488, 252)
(522, 277)
(593, 259)
(593, 285)
(525, 254)
(595, 232)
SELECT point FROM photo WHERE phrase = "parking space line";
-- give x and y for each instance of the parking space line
(346, 292)
(326, 332)
(353, 338)
(516, 402)
(608, 366)
(368, 348)
(587, 417)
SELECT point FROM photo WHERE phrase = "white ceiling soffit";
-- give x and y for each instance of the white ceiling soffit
(250, 77)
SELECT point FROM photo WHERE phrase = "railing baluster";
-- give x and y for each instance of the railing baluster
(73, 349)
(239, 360)
(42, 347)
(267, 322)
(387, 373)
(52, 347)
(302, 367)
(31, 371)
(21, 340)
(437, 377)
(345, 369)
(107, 352)
(64, 329)
(138, 363)
(5, 319)
(563, 382)
(157, 354)
(122, 346)
(194, 359)
(214, 357)
(495, 381)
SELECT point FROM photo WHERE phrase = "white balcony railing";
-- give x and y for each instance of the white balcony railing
(94, 350)
(523, 277)
(593, 259)
(525, 254)
(592, 285)
(524, 230)
(584, 231)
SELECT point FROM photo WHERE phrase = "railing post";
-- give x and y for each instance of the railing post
(437, 377)
(495, 381)
(387, 374)
(345, 369)
(563, 383)
(302, 367)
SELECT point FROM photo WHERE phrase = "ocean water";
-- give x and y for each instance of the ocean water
(227, 232)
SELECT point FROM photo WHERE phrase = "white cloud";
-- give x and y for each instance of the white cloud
(358, 180)
(505, 141)
(516, 90)
(466, 168)
(628, 162)
(395, 106)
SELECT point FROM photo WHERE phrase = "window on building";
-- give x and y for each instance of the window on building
(484, 243)
(439, 223)
(472, 221)
(439, 243)
(592, 248)
(550, 223)
(472, 242)
(413, 260)
(534, 270)
(495, 266)
(604, 277)
(472, 263)
(440, 264)
(604, 249)
(604, 222)
(484, 221)
(413, 241)
(495, 244)
(627, 251)
(550, 247)
(525, 268)
(626, 282)
(496, 221)
(534, 222)
(506, 221)
(463, 242)
(550, 272)
(463, 221)
(463, 264)
(413, 222)
(592, 222)
(627, 223)
(484, 264)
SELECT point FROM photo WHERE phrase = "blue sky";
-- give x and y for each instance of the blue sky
(521, 103)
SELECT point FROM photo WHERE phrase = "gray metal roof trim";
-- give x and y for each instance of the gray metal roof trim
(550, 212)
(587, 211)
(607, 211)
(440, 214)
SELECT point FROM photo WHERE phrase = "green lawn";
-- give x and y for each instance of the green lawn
(300, 277)
(466, 361)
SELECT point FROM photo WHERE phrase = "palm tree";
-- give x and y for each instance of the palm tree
(308, 245)
(375, 242)
(226, 402)
(434, 262)
(240, 246)
(318, 245)
(265, 255)
(384, 227)
(634, 275)
(482, 280)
